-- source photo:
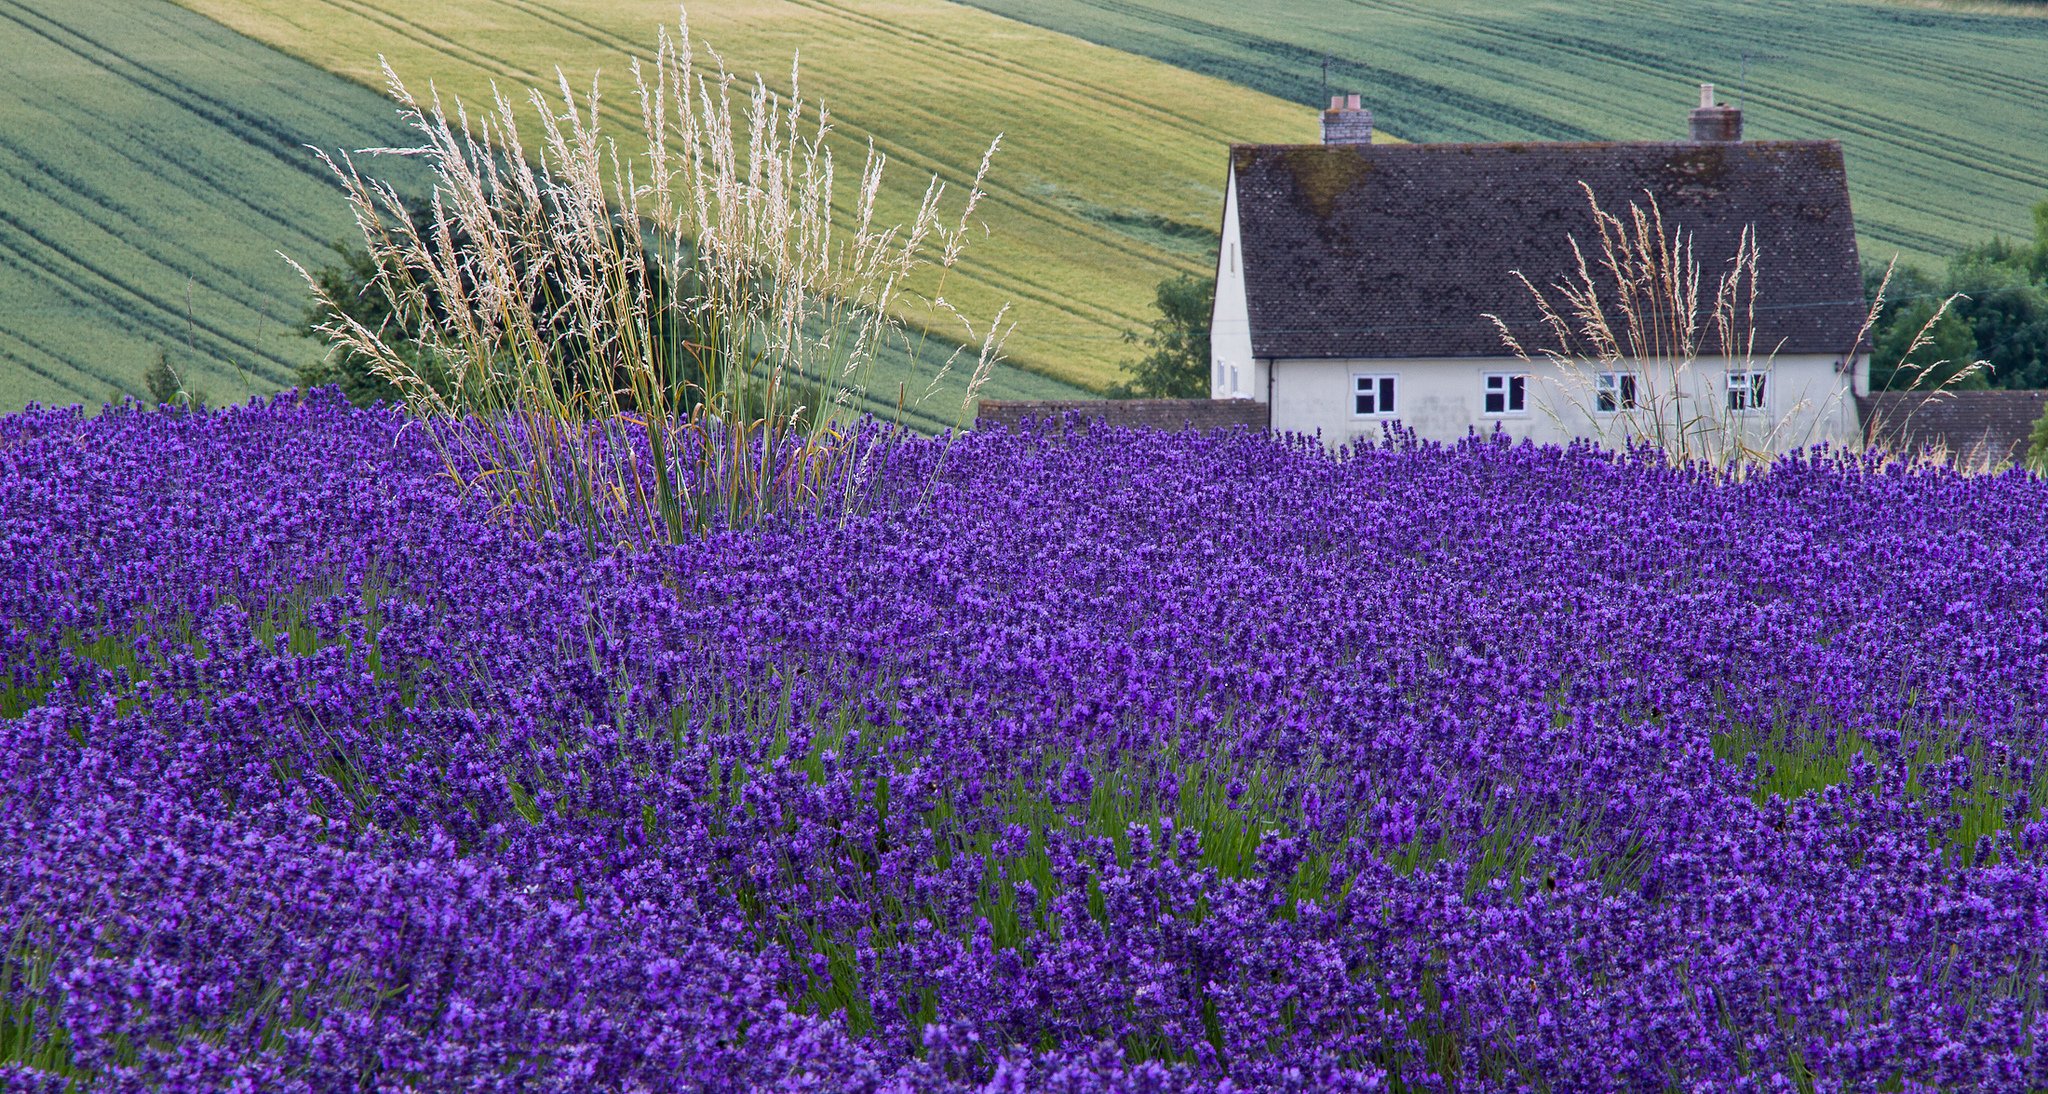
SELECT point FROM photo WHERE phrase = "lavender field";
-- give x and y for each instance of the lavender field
(1073, 760)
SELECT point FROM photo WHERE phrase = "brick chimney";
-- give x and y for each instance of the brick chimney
(1714, 122)
(1346, 122)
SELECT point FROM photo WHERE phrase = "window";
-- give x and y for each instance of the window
(1746, 390)
(1614, 391)
(1372, 396)
(1506, 393)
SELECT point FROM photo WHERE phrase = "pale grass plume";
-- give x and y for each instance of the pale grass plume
(1926, 384)
(645, 342)
(1637, 302)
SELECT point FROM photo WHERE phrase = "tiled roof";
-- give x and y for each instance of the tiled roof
(1992, 426)
(1398, 250)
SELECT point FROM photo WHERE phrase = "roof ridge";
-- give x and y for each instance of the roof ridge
(1398, 250)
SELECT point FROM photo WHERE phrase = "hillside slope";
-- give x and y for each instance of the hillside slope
(1109, 179)
(153, 164)
(1940, 110)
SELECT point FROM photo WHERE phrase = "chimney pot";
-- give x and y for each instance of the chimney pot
(1715, 123)
(1347, 121)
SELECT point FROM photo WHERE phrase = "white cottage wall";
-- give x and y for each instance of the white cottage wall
(1233, 374)
(1808, 400)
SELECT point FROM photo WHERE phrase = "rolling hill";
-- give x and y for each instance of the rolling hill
(153, 166)
(154, 157)
(1111, 170)
(1939, 109)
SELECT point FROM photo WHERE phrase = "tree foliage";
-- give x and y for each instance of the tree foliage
(166, 388)
(1178, 365)
(355, 283)
(2000, 315)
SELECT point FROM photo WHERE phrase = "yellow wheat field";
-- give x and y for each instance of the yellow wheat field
(1111, 168)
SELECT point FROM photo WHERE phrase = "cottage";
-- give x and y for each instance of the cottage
(1355, 281)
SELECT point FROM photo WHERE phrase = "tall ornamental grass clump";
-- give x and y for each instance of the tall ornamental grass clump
(1639, 306)
(644, 343)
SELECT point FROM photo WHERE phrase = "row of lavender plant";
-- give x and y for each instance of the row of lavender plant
(1083, 760)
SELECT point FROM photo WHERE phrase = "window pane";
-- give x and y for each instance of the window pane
(1628, 390)
(1386, 394)
(1496, 403)
(1756, 390)
(1516, 391)
(1603, 401)
(1494, 382)
(1362, 403)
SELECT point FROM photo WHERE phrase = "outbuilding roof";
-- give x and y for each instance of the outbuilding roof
(1991, 426)
(1400, 250)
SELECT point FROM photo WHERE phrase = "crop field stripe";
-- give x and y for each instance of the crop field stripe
(121, 295)
(1028, 287)
(1285, 52)
(81, 198)
(1077, 242)
(158, 163)
(1840, 117)
(72, 364)
(1009, 280)
(288, 150)
(1035, 289)
(58, 371)
(197, 174)
(1083, 94)
(1933, 164)
(186, 321)
(1859, 121)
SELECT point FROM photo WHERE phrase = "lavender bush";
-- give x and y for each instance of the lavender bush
(1077, 760)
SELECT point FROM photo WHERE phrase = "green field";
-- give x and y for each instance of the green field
(152, 165)
(1940, 110)
(1111, 173)
(154, 159)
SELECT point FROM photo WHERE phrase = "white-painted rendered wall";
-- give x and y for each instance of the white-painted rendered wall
(1807, 399)
(1232, 372)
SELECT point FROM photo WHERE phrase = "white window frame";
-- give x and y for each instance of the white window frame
(1385, 384)
(1509, 382)
(1748, 391)
(1613, 387)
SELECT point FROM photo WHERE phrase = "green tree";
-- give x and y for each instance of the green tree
(678, 327)
(166, 387)
(2037, 445)
(1178, 365)
(1947, 348)
(160, 381)
(1999, 314)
